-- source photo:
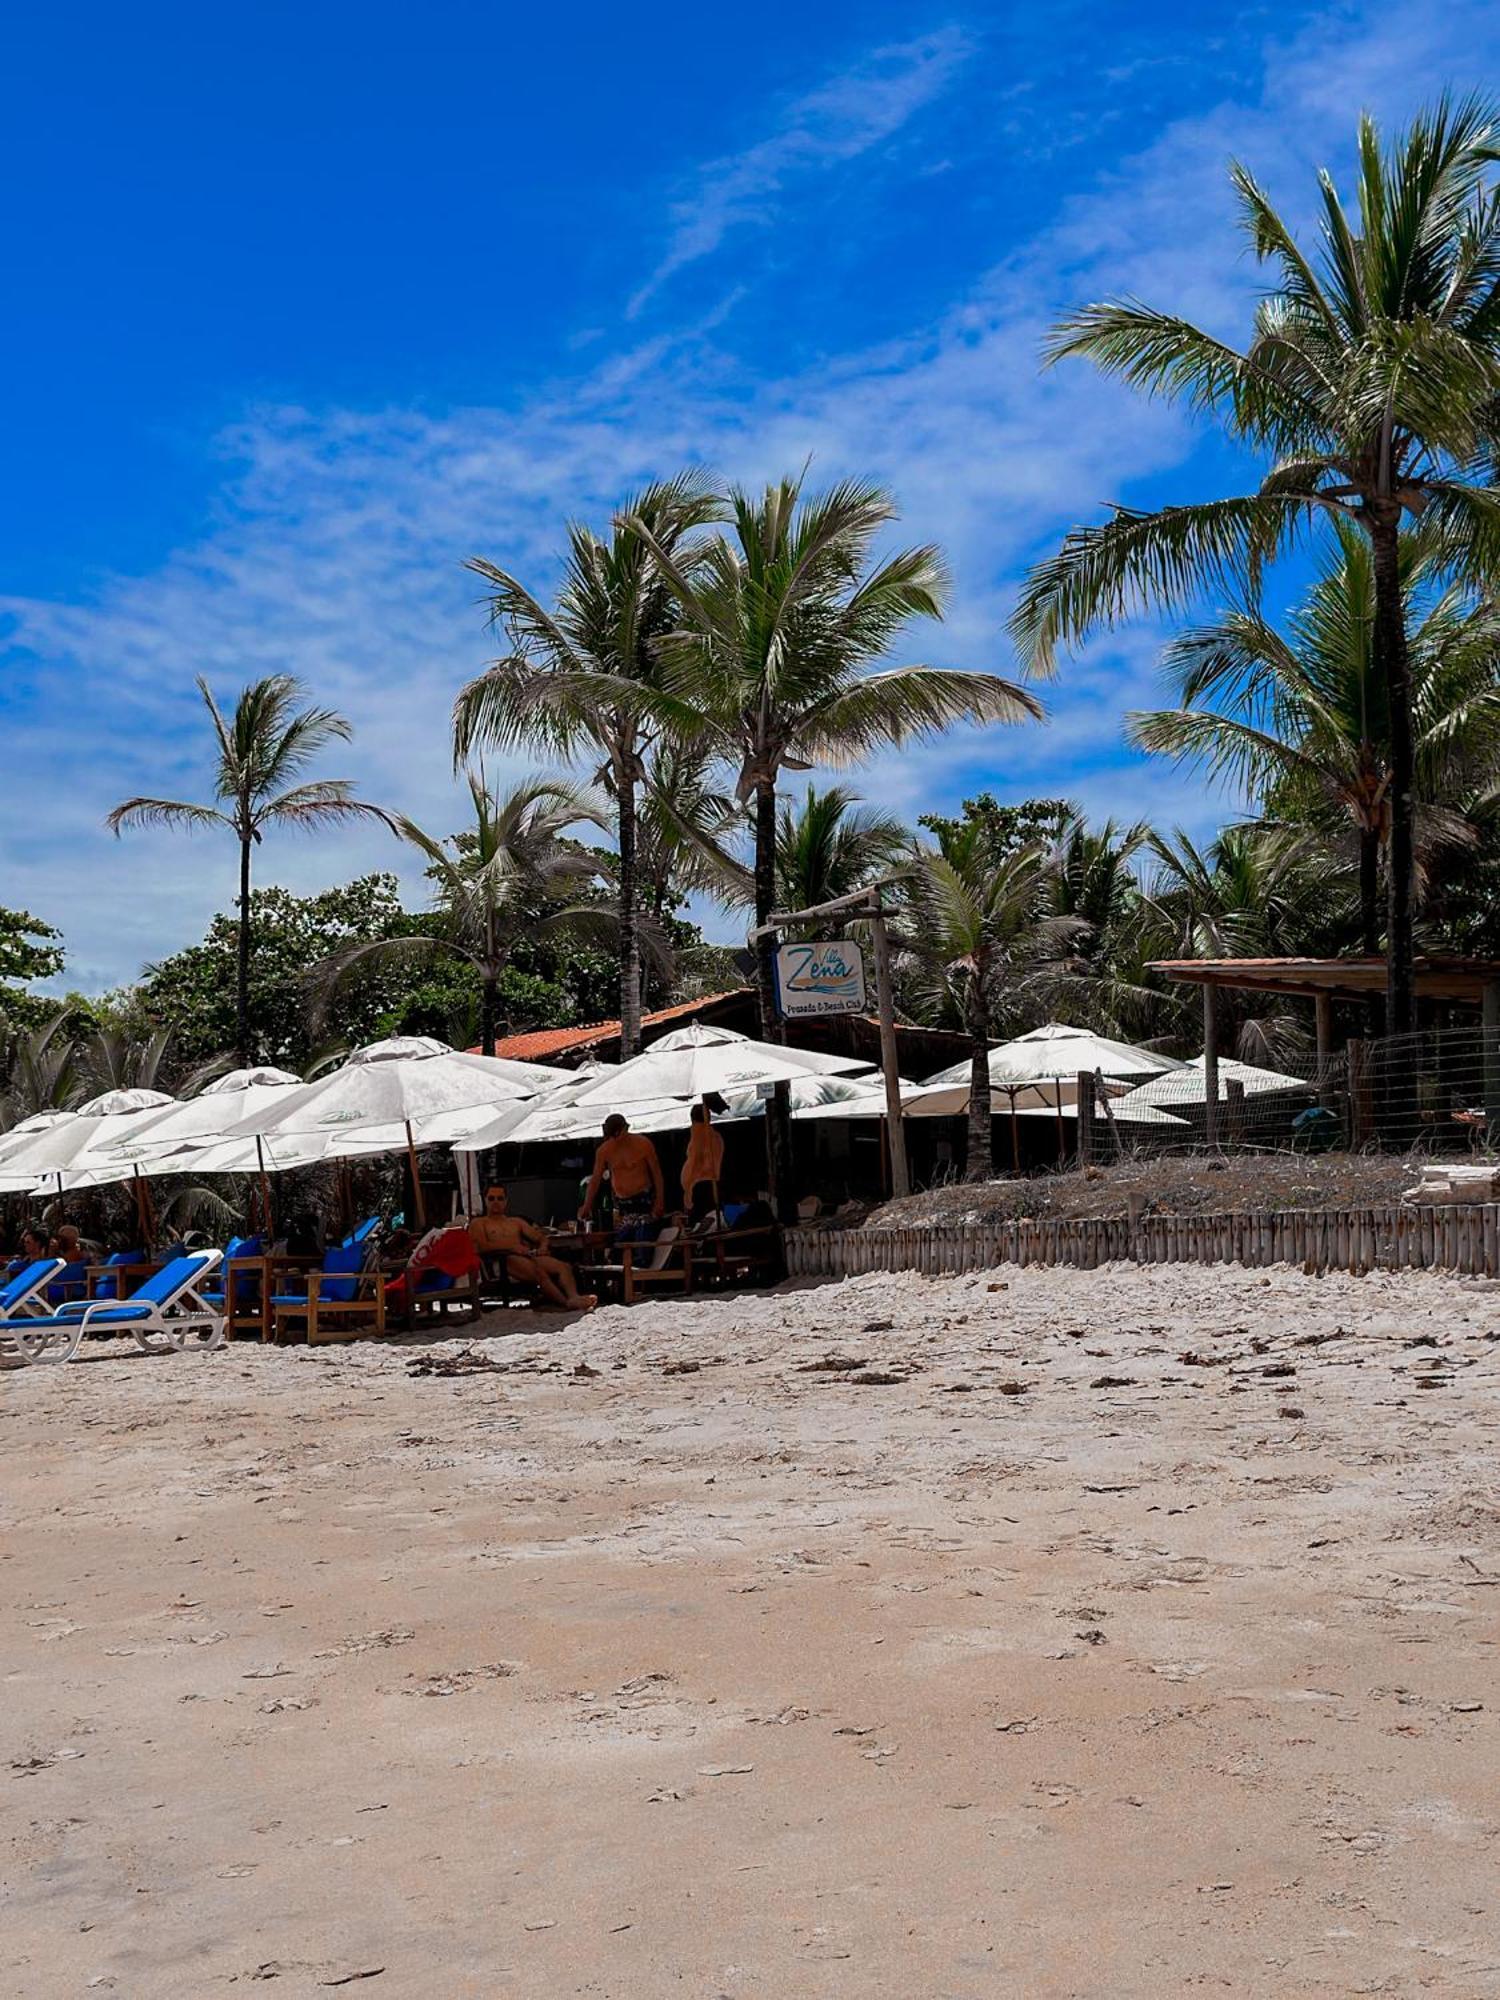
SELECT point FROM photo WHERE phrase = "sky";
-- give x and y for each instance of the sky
(304, 305)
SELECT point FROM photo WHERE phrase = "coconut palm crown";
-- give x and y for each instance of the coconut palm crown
(1371, 384)
(264, 748)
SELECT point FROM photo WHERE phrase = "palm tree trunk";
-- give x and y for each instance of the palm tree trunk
(979, 1159)
(489, 1009)
(1369, 915)
(630, 935)
(242, 964)
(1395, 666)
(1398, 1069)
(778, 1110)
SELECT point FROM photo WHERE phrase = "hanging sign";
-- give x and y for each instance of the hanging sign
(820, 979)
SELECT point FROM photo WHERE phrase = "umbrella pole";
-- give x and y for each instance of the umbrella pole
(1062, 1137)
(268, 1221)
(1015, 1135)
(418, 1205)
(143, 1213)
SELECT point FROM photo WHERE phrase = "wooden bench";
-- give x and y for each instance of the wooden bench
(729, 1257)
(644, 1267)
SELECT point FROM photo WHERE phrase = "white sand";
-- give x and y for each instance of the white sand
(759, 1682)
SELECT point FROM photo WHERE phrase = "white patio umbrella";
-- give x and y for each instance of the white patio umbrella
(696, 1061)
(172, 1140)
(19, 1136)
(76, 1141)
(1188, 1085)
(399, 1093)
(1054, 1051)
(826, 1098)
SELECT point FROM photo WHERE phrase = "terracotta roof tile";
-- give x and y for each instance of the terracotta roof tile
(542, 1044)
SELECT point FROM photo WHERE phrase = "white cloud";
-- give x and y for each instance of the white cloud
(337, 546)
(841, 120)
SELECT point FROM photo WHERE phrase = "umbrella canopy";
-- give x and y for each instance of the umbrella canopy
(172, 1140)
(1053, 1094)
(405, 1087)
(697, 1061)
(826, 1097)
(1058, 1051)
(1188, 1085)
(76, 1143)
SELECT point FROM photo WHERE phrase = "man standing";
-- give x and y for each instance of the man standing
(635, 1182)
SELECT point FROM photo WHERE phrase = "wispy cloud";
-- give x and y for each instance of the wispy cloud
(842, 119)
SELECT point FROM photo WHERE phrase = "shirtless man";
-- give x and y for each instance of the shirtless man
(635, 1183)
(498, 1233)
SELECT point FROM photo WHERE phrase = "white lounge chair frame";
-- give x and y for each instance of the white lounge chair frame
(28, 1304)
(183, 1319)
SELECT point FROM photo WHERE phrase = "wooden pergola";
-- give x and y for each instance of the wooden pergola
(1464, 982)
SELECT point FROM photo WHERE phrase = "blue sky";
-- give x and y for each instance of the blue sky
(306, 304)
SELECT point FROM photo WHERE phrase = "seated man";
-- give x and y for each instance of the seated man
(498, 1233)
(635, 1183)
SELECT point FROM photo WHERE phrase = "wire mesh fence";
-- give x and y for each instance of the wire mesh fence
(1436, 1093)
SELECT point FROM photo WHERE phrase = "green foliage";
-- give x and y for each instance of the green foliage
(29, 950)
(1007, 829)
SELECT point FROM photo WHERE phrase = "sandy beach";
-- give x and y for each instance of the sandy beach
(1046, 1633)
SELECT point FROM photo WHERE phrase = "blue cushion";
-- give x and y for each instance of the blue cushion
(66, 1284)
(22, 1283)
(435, 1281)
(350, 1258)
(108, 1288)
(363, 1234)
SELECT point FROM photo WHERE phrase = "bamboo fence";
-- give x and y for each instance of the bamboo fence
(1463, 1238)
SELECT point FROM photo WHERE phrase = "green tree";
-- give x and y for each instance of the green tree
(1300, 718)
(514, 870)
(29, 949)
(1371, 383)
(784, 615)
(974, 928)
(263, 750)
(585, 674)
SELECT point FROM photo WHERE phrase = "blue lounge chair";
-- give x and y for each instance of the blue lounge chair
(22, 1297)
(167, 1314)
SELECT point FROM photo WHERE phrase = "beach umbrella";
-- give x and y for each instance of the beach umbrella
(1188, 1085)
(393, 1095)
(1054, 1051)
(699, 1061)
(826, 1097)
(69, 1141)
(15, 1140)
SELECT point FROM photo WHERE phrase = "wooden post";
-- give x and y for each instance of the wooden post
(1211, 1064)
(1234, 1110)
(1490, 1017)
(1361, 1104)
(1085, 1118)
(1015, 1133)
(1323, 1018)
(885, 1008)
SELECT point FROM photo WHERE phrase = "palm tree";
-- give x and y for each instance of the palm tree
(40, 1066)
(830, 846)
(1371, 383)
(1094, 894)
(263, 749)
(1300, 718)
(783, 616)
(974, 925)
(507, 876)
(585, 673)
(1251, 892)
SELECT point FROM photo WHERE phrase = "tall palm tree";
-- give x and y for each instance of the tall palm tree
(585, 673)
(830, 845)
(1371, 383)
(783, 617)
(263, 750)
(1300, 717)
(974, 923)
(510, 874)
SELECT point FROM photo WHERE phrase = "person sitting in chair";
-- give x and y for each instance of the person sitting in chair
(523, 1247)
(635, 1183)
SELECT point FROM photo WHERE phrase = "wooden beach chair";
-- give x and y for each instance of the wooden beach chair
(663, 1266)
(345, 1300)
